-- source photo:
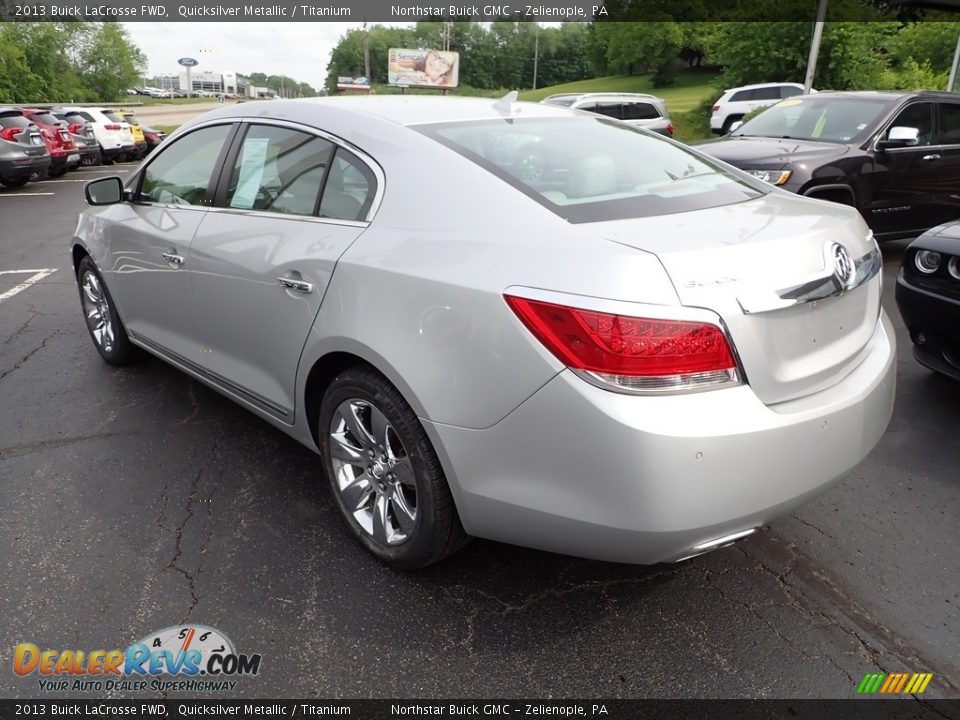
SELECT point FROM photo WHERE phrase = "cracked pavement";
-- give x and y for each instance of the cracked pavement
(135, 499)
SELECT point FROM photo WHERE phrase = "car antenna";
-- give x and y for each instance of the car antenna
(505, 104)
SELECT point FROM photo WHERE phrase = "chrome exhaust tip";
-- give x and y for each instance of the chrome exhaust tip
(716, 544)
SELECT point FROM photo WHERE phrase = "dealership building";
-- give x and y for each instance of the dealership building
(217, 83)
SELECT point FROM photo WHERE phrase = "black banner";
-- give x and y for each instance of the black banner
(868, 709)
(477, 10)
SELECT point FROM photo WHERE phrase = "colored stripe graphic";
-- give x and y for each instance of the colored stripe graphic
(894, 683)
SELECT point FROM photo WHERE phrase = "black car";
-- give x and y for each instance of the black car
(893, 156)
(928, 295)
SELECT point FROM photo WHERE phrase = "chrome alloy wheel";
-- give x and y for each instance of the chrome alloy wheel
(96, 310)
(373, 472)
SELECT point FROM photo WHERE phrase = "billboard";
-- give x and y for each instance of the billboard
(423, 68)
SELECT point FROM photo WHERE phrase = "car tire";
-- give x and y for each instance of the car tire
(725, 130)
(19, 182)
(59, 172)
(384, 473)
(100, 313)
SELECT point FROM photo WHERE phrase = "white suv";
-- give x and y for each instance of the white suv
(113, 134)
(648, 111)
(737, 102)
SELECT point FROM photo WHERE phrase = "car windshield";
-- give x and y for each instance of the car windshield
(835, 119)
(593, 169)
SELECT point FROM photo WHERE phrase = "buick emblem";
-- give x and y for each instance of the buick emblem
(843, 267)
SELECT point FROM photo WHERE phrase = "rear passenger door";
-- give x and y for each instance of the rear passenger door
(289, 203)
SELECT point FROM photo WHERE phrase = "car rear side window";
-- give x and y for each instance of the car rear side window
(610, 109)
(279, 170)
(640, 111)
(741, 96)
(592, 169)
(349, 188)
(180, 175)
(767, 93)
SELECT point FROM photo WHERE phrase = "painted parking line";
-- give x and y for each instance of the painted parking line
(11, 195)
(36, 277)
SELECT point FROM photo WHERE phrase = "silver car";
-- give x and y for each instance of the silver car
(639, 109)
(623, 360)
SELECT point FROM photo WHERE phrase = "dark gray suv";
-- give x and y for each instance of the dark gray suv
(22, 150)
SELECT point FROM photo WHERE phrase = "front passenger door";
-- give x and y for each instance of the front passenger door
(149, 242)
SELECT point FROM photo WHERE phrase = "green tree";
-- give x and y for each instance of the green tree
(109, 62)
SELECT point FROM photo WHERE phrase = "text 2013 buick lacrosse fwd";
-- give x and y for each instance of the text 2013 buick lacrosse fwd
(501, 319)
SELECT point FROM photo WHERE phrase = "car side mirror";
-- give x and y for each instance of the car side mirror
(900, 137)
(735, 126)
(104, 191)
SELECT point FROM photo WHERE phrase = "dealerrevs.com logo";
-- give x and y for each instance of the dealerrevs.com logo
(197, 657)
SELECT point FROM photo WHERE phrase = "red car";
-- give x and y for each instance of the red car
(64, 153)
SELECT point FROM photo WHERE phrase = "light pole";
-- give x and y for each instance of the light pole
(953, 68)
(536, 53)
(815, 47)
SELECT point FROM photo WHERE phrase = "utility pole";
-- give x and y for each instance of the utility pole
(536, 53)
(815, 47)
(953, 68)
(366, 51)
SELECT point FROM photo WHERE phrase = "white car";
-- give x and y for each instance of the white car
(113, 134)
(737, 102)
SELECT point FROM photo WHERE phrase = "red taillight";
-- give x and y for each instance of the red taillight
(75, 128)
(670, 129)
(715, 108)
(631, 353)
(10, 133)
(112, 127)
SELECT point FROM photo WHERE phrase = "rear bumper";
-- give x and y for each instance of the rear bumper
(934, 324)
(23, 167)
(640, 479)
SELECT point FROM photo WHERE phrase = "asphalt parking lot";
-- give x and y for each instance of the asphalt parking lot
(136, 499)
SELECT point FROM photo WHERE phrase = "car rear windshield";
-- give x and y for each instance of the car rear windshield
(45, 118)
(835, 119)
(114, 117)
(593, 169)
(132, 120)
(13, 119)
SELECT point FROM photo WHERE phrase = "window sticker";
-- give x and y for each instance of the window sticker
(251, 173)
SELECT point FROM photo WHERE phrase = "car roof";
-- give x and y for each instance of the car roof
(401, 109)
(763, 85)
(645, 96)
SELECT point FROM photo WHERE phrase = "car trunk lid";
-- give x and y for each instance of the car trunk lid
(772, 270)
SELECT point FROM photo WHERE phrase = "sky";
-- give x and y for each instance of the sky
(297, 50)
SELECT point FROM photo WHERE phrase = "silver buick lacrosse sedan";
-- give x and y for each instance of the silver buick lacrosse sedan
(502, 319)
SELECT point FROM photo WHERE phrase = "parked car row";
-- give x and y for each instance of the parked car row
(47, 142)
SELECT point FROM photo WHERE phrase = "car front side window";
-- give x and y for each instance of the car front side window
(180, 175)
(919, 116)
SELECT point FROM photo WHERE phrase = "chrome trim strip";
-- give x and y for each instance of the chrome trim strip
(824, 284)
(260, 403)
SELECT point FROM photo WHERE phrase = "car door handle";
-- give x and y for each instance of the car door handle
(173, 258)
(298, 285)
(931, 158)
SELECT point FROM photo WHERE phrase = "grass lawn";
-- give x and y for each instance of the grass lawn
(689, 90)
